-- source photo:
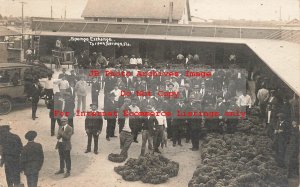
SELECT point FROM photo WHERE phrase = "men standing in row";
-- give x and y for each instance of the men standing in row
(12, 147)
(93, 128)
(32, 159)
(64, 146)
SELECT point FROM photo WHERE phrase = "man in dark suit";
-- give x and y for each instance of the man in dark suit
(110, 106)
(69, 106)
(71, 90)
(32, 159)
(93, 128)
(148, 127)
(83, 60)
(282, 135)
(35, 91)
(64, 146)
(178, 123)
(63, 74)
(186, 92)
(51, 105)
(12, 147)
(95, 90)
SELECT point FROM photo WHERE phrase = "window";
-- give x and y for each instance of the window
(163, 21)
(146, 20)
(119, 19)
(10, 77)
(95, 19)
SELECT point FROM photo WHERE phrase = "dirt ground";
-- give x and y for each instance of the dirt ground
(89, 169)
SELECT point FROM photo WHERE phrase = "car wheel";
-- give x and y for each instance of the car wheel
(5, 106)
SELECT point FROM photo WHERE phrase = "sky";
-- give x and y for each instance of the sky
(206, 9)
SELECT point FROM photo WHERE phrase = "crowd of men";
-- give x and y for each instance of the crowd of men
(226, 90)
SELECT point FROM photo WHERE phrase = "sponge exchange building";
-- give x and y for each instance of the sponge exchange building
(160, 31)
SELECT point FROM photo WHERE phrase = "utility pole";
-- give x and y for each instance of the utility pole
(51, 9)
(280, 14)
(22, 37)
(65, 9)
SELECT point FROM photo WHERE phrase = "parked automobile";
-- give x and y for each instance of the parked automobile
(12, 85)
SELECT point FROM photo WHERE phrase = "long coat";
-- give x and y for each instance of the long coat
(32, 158)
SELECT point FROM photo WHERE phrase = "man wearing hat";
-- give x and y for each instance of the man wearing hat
(95, 90)
(109, 106)
(63, 74)
(32, 159)
(282, 134)
(64, 146)
(148, 127)
(93, 128)
(35, 91)
(12, 147)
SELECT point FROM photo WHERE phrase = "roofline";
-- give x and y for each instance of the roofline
(10, 65)
(156, 24)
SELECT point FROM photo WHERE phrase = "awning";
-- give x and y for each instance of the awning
(282, 57)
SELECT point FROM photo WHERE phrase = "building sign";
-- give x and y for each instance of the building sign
(99, 41)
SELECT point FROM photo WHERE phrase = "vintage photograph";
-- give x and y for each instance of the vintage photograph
(156, 93)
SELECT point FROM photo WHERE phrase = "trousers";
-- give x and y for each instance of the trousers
(125, 141)
(32, 179)
(146, 136)
(158, 135)
(81, 99)
(64, 157)
(12, 172)
(195, 138)
(110, 129)
(96, 137)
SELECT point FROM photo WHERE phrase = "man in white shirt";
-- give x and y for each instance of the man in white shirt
(134, 121)
(133, 60)
(117, 93)
(159, 130)
(125, 138)
(48, 86)
(63, 85)
(244, 102)
(139, 61)
(175, 83)
(81, 92)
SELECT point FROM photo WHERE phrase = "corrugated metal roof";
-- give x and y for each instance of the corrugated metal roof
(155, 9)
(7, 32)
(283, 58)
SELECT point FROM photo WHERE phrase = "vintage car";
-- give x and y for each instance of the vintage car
(12, 85)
